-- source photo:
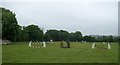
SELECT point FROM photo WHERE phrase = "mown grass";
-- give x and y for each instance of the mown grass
(19, 52)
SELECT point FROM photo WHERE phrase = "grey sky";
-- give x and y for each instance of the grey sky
(88, 17)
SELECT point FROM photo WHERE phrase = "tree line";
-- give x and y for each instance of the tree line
(14, 32)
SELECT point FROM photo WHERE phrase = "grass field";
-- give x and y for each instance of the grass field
(19, 52)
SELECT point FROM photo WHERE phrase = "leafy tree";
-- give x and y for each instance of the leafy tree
(52, 34)
(33, 32)
(75, 36)
(78, 36)
(107, 39)
(9, 25)
(111, 38)
(22, 35)
(63, 35)
(89, 38)
(71, 37)
(118, 39)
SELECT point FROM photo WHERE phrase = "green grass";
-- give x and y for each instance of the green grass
(19, 52)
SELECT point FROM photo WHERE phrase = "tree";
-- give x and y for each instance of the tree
(78, 36)
(52, 34)
(115, 39)
(63, 35)
(33, 33)
(108, 38)
(75, 36)
(20, 38)
(118, 39)
(71, 36)
(22, 34)
(9, 25)
(89, 38)
(56, 35)
(111, 38)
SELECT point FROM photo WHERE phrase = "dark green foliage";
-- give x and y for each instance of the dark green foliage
(77, 36)
(9, 25)
(52, 34)
(23, 35)
(57, 35)
(13, 32)
(104, 38)
(71, 37)
(63, 35)
(88, 38)
(33, 33)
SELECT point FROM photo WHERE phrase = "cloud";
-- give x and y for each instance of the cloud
(60, 0)
(89, 18)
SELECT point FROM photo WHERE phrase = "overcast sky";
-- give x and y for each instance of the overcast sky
(89, 17)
